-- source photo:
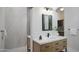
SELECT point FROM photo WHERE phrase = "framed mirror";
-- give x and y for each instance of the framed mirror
(46, 22)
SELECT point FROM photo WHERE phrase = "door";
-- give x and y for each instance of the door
(2, 27)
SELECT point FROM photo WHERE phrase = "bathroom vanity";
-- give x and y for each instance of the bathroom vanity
(53, 44)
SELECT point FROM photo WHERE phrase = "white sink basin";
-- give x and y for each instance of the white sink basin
(50, 39)
(53, 37)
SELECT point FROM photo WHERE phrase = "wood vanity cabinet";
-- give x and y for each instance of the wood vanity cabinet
(55, 46)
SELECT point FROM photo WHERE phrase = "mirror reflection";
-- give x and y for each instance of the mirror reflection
(46, 22)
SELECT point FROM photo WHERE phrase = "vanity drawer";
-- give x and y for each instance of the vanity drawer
(64, 46)
(47, 47)
(57, 43)
(64, 41)
(57, 49)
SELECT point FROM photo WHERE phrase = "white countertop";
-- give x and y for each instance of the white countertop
(50, 39)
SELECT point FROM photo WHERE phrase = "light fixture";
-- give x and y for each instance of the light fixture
(48, 8)
(62, 9)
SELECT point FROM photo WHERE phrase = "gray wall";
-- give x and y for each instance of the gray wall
(72, 21)
(28, 21)
(16, 27)
(2, 18)
(2, 26)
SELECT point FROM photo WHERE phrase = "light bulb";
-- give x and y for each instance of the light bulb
(61, 9)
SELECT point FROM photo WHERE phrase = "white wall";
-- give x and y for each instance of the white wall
(72, 21)
(36, 22)
(16, 27)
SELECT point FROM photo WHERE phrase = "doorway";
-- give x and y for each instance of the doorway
(60, 22)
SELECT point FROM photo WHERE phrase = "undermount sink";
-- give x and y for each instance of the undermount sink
(56, 37)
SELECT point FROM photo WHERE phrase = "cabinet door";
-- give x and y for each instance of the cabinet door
(36, 47)
(57, 43)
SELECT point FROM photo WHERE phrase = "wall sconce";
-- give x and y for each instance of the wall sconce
(48, 8)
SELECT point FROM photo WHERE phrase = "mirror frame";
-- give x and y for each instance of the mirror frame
(49, 23)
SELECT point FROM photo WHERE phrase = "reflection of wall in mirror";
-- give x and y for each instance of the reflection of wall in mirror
(46, 20)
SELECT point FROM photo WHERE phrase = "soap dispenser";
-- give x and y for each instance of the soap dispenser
(48, 35)
(40, 37)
